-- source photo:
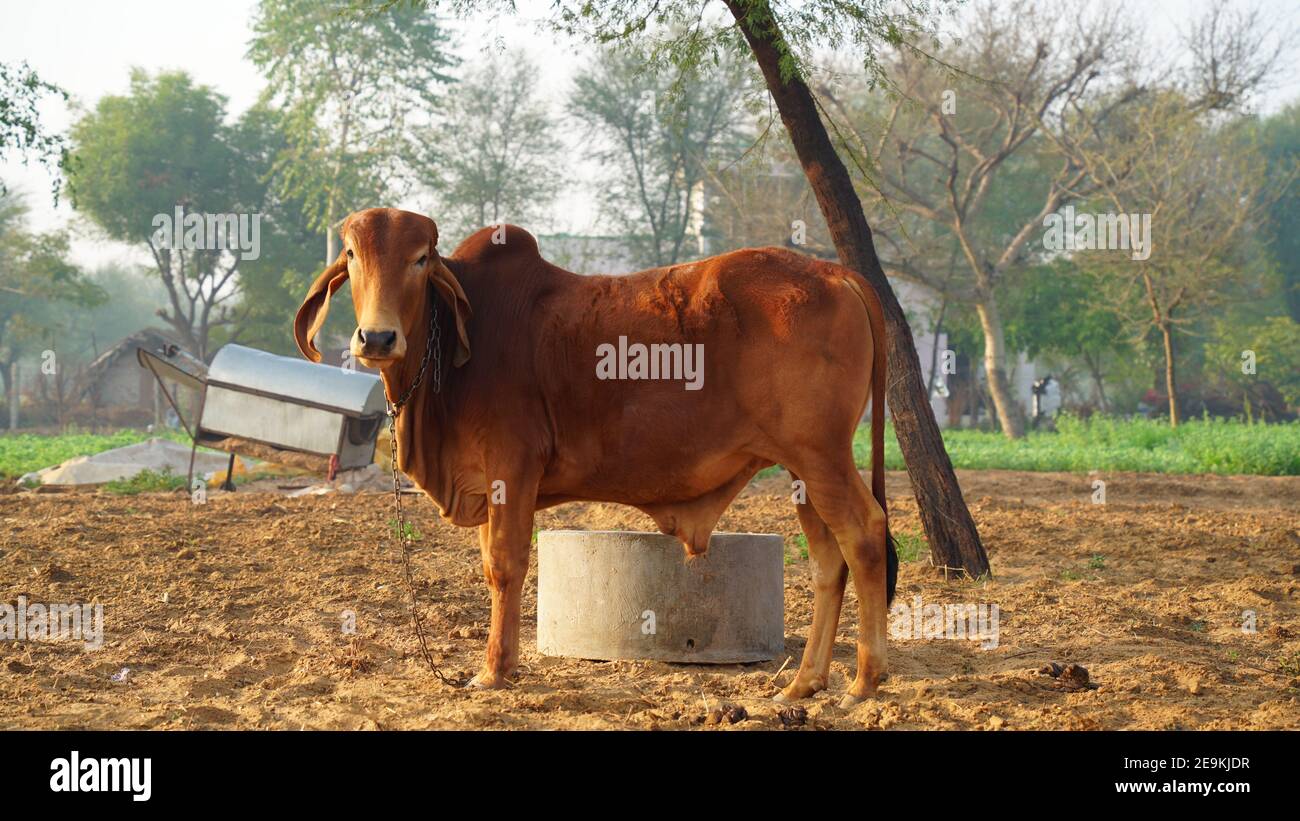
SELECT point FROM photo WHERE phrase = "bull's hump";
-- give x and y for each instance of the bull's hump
(495, 242)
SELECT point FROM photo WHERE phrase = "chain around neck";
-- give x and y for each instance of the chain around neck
(432, 352)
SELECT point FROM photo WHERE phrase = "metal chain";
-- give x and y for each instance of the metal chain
(432, 348)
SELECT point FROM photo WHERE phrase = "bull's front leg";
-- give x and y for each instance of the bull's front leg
(505, 543)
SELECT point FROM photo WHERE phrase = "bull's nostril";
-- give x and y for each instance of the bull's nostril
(376, 342)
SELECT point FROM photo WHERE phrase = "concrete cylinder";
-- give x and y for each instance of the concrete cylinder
(623, 595)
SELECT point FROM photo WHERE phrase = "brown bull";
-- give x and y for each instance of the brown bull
(532, 411)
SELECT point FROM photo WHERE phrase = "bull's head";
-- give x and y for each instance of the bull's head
(391, 258)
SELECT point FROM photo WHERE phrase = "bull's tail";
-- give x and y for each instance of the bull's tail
(878, 383)
(876, 316)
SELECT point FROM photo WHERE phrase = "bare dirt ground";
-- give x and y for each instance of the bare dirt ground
(228, 615)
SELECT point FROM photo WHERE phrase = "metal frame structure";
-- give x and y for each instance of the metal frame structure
(356, 406)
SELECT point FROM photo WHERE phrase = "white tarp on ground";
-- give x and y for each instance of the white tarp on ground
(123, 463)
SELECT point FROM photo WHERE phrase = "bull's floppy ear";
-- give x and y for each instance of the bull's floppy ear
(311, 316)
(441, 277)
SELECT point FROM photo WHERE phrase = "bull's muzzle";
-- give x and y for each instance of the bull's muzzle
(377, 344)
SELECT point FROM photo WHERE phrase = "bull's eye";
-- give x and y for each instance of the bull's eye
(419, 263)
(349, 253)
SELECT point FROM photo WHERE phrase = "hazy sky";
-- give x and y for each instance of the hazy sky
(88, 48)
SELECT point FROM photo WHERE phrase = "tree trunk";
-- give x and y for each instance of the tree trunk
(345, 131)
(1010, 415)
(7, 380)
(61, 394)
(1162, 318)
(954, 541)
(934, 347)
(1171, 386)
(15, 394)
(331, 246)
(1094, 368)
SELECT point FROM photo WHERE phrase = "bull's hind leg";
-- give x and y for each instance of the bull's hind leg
(858, 522)
(829, 573)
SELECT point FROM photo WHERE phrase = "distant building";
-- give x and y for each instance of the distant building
(589, 254)
(115, 385)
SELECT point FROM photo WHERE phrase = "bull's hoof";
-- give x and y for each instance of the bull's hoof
(798, 689)
(859, 693)
(488, 681)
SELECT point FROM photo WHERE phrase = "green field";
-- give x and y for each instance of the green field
(26, 452)
(1105, 444)
(1109, 444)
